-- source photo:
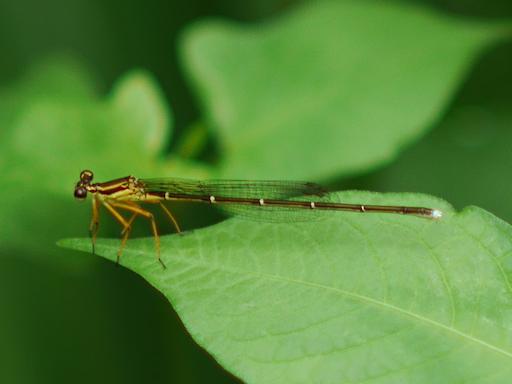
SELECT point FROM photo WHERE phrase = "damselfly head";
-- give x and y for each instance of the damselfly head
(81, 187)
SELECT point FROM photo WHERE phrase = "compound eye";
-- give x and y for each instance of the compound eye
(80, 193)
(86, 176)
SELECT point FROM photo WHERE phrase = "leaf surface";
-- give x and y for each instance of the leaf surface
(354, 298)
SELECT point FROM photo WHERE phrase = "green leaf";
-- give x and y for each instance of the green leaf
(332, 88)
(354, 298)
(140, 95)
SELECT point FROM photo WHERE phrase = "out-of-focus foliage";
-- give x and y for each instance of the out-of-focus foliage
(276, 97)
(69, 316)
(468, 151)
(449, 156)
(49, 139)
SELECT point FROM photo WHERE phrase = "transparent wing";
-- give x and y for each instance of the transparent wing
(266, 189)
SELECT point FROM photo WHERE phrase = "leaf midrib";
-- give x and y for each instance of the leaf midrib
(359, 297)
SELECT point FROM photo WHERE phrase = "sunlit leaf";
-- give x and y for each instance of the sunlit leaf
(354, 298)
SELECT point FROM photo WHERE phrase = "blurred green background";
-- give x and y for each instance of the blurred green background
(70, 317)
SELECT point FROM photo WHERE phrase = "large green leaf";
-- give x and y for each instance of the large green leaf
(335, 87)
(354, 298)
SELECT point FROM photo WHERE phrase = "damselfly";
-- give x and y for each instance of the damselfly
(253, 198)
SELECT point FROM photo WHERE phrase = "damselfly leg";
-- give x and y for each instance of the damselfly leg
(136, 209)
(123, 222)
(171, 217)
(94, 226)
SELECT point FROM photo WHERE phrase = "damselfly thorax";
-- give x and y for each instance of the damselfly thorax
(265, 200)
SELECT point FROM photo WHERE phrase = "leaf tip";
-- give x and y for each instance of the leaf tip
(70, 243)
